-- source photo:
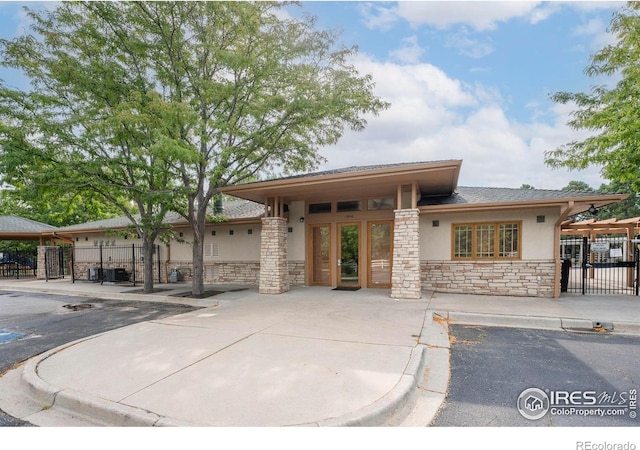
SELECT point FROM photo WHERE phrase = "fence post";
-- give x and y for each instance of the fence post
(585, 259)
(101, 267)
(158, 260)
(73, 263)
(133, 263)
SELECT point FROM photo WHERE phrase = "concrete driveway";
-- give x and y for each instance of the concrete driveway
(308, 357)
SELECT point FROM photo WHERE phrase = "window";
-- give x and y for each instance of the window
(319, 208)
(462, 241)
(211, 250)
(376, 204)
(349, 206)
(499, 240)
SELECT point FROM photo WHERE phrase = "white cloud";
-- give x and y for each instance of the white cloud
(410, 52)
(435, 117)
(467, 45)
(596, 29)
(478, 15)
(376, 17)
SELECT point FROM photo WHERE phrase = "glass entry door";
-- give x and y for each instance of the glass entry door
(321, 255)
(380, 253)
(349, 255)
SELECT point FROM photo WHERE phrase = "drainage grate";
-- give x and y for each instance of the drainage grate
(78, 306)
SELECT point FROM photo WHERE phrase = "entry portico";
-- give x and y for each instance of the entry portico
(362, 224)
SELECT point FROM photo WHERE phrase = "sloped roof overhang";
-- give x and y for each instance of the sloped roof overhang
(578, 204)
(437, 178)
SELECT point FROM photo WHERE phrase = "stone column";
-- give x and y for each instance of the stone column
(274, 271)
(405, 274)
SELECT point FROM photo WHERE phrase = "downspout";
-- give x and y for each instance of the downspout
(556, 246)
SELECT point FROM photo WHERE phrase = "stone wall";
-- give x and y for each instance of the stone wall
(240, 272)
(274, 270)
(296, 273)
(405, 275)
(512, 278)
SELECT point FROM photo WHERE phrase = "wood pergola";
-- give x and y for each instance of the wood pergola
(591, 228)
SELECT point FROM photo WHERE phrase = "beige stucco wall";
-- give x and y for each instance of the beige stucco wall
(537, 238)
(296, 237)
(239, 246)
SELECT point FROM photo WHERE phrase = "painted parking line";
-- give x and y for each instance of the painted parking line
(8, 336)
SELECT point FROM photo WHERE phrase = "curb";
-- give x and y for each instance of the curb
(539, 322)
(94, 409)
(104, 295)
(392, 403)
(109, 413)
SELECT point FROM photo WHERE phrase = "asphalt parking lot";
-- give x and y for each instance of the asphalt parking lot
(492, 366)
(32, 323)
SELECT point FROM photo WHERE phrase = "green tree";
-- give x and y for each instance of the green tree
(264, 93)
(93, 123)
(54, 208)
(526, 186)
(610, 114)
(578, 186)
(163, 103)
(625, 209)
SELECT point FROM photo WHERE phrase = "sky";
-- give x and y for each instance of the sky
(466, 80)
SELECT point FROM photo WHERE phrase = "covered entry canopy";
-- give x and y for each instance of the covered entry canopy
(432, 178)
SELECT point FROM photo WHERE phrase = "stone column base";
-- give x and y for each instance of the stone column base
(274, 269)
(405, 274)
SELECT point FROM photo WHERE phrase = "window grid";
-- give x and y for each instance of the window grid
(463, 240)
(508, 240)
(500, 240)
(485, 242)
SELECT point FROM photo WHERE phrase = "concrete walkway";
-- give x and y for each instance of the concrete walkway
(311, 357)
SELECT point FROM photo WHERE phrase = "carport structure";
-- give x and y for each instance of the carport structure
(603, 255)
(17, 264)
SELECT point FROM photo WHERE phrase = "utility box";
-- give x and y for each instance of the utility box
(175, 276)
(94, 274)
(116, 274)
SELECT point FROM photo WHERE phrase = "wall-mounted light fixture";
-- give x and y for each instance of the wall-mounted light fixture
(593, 210)
(301, 220)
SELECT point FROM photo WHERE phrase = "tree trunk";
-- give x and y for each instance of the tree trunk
(198, 257)
(148, 254)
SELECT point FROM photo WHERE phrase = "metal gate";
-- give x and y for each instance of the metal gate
(18, 264)
(58, 262)
(608, 265)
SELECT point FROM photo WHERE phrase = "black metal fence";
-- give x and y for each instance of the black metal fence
(113, 264)
(607, 266)
(19, 264)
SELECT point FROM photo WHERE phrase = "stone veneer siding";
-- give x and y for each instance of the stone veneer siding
(274, 268)
(405, 274)
(511, 278)
(237, 272)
